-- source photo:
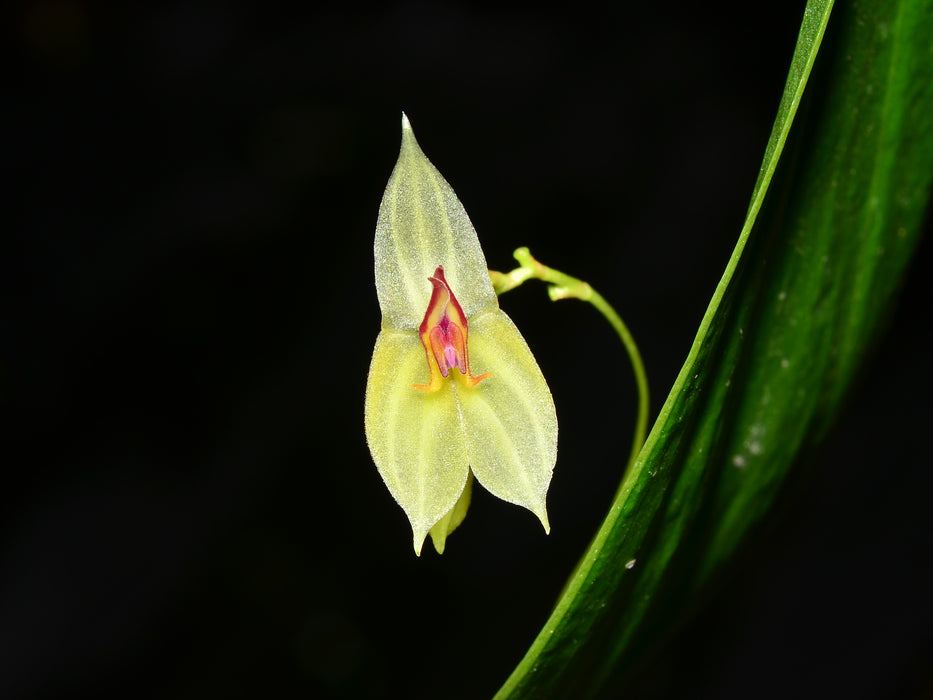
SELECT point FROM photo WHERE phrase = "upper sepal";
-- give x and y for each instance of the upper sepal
(422, 225)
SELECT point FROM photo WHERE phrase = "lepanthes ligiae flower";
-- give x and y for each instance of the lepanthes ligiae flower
(453, 391)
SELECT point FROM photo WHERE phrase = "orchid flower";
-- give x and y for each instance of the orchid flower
(453, 391)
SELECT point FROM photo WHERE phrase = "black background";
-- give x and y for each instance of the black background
(188, 313)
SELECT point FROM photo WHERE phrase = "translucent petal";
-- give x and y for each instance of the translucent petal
(450, 522)
(509, 421)
(416, 437)
(422, 225)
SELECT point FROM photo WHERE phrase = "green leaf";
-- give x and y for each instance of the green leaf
(797, 310)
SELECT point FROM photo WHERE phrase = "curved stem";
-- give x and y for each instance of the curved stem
(563, 286)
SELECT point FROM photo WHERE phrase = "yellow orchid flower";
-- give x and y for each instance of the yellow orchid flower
(453, 391)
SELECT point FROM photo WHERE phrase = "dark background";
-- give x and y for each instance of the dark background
(188, 312)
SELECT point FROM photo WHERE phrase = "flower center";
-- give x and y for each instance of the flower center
(444, 336)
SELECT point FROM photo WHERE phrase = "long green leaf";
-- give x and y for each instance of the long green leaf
(805, 292)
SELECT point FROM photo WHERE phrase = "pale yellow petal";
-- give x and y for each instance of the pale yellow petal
(509, 421)
(450, 522)
(422, 225)
(416, 438)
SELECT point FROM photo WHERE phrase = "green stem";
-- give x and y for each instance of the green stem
(563, 286)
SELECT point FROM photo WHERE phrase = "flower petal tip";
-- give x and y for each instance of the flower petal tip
(440, 543)
(542, 516)
(405, 123)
